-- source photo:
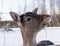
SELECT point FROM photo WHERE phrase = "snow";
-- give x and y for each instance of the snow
(50, 33)
(14, 38)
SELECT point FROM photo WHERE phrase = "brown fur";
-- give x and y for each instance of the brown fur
(30, 23)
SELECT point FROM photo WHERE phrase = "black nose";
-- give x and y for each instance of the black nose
(48, 15)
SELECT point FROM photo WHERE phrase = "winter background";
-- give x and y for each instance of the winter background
(14, 38)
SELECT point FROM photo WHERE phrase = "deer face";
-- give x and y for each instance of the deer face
(30, 21)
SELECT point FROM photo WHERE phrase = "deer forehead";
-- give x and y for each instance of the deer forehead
(33, 16)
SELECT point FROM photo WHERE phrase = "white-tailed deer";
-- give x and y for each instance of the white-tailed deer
(30, 24)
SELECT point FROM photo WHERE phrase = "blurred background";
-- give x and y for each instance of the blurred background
(11, 37)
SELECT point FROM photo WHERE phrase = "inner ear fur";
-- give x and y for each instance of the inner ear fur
(14, 16)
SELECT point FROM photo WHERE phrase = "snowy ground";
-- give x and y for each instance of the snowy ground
(14, 38)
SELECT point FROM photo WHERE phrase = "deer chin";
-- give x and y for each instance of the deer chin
(44, 23)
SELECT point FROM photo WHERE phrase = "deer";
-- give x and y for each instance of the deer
(30, 24)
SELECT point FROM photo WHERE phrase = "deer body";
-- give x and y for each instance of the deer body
(30, 23)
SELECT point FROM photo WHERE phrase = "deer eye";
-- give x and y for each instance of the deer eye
(28, 18)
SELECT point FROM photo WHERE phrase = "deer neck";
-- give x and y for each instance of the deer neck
(29, 39)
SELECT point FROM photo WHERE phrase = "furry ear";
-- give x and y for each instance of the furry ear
(35, 10)
(15, 16)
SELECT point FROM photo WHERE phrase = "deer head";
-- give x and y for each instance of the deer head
(30, 23)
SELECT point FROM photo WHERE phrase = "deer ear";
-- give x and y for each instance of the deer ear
(15, 16)
(35, 10)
